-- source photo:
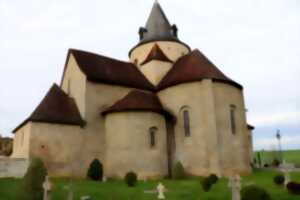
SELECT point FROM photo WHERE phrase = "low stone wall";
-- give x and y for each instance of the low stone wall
(13, 167)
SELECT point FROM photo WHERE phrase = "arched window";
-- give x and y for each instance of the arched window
(186, 121)
(232, 119)
(152, 133)
(69, 87)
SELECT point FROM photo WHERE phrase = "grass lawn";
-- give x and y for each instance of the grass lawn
(178, 190)
(290, 156)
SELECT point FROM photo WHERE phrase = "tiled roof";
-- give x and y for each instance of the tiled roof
(194, 67)
(56, 107)
(156, 54)
(102, 69)
(137, 101)
(158, 28)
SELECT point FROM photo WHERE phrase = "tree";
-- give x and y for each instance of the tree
(259, 159)
(95, 171)
(178, 171)
(33, 180)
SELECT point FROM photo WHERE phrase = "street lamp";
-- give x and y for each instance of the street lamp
(278, 136)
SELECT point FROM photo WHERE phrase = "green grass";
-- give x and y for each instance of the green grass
(177, 190)
(290, 156)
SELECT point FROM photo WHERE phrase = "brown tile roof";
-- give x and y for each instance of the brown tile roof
(194, 67)
(156, 54)
(56, 107)
(250, 127)
(102, 69)
(137, 101)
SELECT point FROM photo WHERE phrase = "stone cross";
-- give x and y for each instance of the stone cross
(47, 186)
(85, 198)
(71, 192)
(161, 189)
(235, 185)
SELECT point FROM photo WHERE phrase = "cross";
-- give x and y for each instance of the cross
(235, 185)
(47, 186)
(161, 189)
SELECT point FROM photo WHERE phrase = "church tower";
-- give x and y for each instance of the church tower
(159, 46)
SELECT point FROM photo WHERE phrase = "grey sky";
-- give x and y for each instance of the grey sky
(255, 42)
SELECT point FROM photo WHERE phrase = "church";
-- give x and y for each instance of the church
(167, 104)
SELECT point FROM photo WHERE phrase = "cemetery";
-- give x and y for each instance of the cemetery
(186, 187)
(166, 124)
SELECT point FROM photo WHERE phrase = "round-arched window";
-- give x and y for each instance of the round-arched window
(152, 136)
(185, 116)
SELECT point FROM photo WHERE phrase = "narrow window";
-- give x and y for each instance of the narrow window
(186, 123)
(22, 141)
(152, 132)
(232, 119)
(69, 87)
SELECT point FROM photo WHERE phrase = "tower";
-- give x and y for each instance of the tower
(159, 46)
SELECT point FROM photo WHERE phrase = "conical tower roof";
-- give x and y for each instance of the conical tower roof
(158, 28)
(158, 25)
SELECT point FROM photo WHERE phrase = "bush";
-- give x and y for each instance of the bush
(95, 171)
(293, 188)
(131, 179)
(266, 165)
(33, 181)
(178, 171)
(253, 192)
(279, 179)
(213, 178)
(206, 184)
(275, 162)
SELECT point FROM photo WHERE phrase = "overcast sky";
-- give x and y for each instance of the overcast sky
(255, 42)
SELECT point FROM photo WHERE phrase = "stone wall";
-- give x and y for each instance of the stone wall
(128, 144)
(13, 167)
(211, 147)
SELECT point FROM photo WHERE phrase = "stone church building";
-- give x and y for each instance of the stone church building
(168, 103)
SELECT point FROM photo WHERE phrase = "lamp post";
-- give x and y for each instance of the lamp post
(278, 136)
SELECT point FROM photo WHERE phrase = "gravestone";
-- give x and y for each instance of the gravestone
(47, 186)
(85, 198)
(286, 168)
(104, 179)
(161, 189)
(235, 185)
(70, 191)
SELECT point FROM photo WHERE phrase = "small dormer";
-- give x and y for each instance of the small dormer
(155, 65)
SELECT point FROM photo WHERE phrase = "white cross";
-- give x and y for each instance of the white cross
(47, 186)
(235, 185)
(161, 189)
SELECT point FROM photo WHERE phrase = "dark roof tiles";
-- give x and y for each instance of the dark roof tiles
(102, 69)
(158, 28)
(156, 54)
(56, 107)
(137, 101)
(193, 67)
